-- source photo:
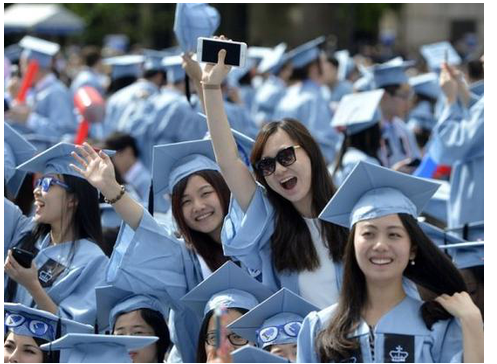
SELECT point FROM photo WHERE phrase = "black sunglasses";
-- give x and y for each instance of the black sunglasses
(286, 157)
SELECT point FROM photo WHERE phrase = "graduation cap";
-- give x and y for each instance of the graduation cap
(371, 191)
(17, 150)
(358, 111)
(467, 254)
(477, 88)
(426, 84)
(422, 116)
(306, 53)
(229, 286)
(39, 49)
(194, 20)
(13, 52)
(153, 60)
(435, 54)
(55, 160)
(472, 231)
(125, 66)
(273, 59)
(366, 81)
(27, 321)
(439, 236)
(172, 64)
(275, 321)
(91, 348)
(250, 354)
(113, 301)
(391, 73)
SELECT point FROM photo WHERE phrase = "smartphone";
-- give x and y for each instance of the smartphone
(208, 49)
(23, 257)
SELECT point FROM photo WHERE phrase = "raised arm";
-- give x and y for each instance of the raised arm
(235, 172)
(98, 170)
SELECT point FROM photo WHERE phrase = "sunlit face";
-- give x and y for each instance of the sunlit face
(53, 205)
(201, 206)
(132, 323)
(288, 351)
(382, 248)
(21, 349)
(292, 182)
(231, 316)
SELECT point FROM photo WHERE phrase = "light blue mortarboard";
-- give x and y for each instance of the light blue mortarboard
(250, 354)
(229, 286)
(426, 85)
(125, 66)
(477, 88)
(306, 53)
(89, 348)
(55, 160)
(244, 144)
(27, 321)
(282, 308)
(39, 49)
(172, 64)
(434, 54)
(438, 236)
(371, 191)
(467, 254)
(194, 20)
(358, 111)
(113, 301)
(472, 231)
(390, 73)
(272, 60)
(345, 63)
(17, 150)
(153, 60)
(173, 162)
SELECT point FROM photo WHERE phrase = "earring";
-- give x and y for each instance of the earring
(413, 262)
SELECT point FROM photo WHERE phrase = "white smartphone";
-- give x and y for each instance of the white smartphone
(208, 49)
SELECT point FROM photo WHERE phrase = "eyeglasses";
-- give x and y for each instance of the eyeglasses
(270, 333)
(234, 339)
(47, 182)
(36, 327)
(404, 95)
(285, 157)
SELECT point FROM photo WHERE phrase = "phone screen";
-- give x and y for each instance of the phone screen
(210, 50)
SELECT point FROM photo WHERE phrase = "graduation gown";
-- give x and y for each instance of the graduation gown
(400, 336)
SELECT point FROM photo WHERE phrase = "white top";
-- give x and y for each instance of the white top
(320, 286)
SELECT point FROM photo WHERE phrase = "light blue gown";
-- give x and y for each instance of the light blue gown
(459, 141)
(442, 344)
(267, 98)
(306, 103)
(401, 141)
(72, 289)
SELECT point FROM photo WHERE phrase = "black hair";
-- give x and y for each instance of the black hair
(201, 356)
(91, 55)
(158, 323)
(119, 83)
(85, 223)
(433, 270)
(118, 141)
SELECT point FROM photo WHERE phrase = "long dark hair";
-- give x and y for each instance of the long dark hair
(210, 250)
(85, 223)
(367, 141)
(158, 323)
(201, 356)
(433, 270)
(292, 246)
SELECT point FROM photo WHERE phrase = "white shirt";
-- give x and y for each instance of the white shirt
(319, 287)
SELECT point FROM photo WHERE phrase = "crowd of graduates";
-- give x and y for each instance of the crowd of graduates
(311, 206)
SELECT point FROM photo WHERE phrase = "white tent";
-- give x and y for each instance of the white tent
(41, 18)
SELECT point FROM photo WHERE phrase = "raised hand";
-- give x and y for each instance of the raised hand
(214, 74)
(97, 169)
(448, 83)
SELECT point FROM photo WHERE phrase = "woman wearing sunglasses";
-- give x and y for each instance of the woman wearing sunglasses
(272, 225)
(63, 237)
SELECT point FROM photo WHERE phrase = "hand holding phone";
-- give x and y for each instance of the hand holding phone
(208, 50)
(23, 257)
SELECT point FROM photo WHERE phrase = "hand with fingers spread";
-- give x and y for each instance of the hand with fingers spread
(97, 169)
(28, 277)
(459, 305)
(214, 74)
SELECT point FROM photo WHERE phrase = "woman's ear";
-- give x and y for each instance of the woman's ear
(413, 253)
(72, 201)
